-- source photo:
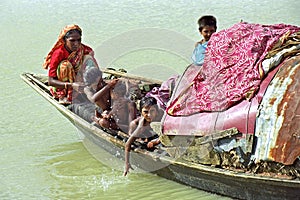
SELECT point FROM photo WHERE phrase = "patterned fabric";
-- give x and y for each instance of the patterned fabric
(65, 73)
(232, 68)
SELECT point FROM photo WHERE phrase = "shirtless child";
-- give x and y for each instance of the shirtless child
(122, 110)
(97, 90)
(140, 127)
(117, 110)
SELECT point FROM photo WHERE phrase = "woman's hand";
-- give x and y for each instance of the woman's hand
(87, 90)
(78, 86)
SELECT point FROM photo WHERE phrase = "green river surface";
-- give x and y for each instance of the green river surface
(42, 155)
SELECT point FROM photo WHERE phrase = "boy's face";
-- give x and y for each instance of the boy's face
(149, 113)
(207, 31)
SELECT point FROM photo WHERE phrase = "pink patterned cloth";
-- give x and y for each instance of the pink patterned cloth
(232, 68)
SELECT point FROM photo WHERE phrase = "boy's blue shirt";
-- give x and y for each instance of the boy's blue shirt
(199, 53)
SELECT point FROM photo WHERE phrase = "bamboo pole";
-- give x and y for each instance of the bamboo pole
(131, 76)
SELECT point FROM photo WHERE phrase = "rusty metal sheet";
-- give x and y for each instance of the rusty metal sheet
(278, 122)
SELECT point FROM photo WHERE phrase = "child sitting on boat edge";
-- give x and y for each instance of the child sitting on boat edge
(140, 127)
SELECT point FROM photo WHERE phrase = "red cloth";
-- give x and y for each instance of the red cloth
(58, 55)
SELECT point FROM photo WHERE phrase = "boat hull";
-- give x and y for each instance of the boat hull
(209, 178)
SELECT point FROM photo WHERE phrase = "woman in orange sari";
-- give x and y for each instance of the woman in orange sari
(65, 63)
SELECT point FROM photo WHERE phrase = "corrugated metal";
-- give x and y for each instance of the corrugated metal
(278, 121)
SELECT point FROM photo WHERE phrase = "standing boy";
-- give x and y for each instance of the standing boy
(207, 26)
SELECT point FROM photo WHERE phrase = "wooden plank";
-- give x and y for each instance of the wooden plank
(40, 83)
(215, 136)
(131, 76)
(122, 134)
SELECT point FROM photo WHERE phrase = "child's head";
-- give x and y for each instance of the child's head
(135, 93)
(149, 108)
(207, 26)
(92, 76)
(119, 90)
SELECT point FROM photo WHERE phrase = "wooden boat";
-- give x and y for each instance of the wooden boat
(225, 182)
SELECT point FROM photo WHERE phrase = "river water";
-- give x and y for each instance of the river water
(42, 156)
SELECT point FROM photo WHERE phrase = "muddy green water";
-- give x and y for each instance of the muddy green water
(42, 156)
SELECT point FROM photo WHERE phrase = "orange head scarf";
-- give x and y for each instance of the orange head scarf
(59, 42)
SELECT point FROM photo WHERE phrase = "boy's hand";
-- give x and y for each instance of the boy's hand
(150, 145)
(113, 82)
(127, 167)
(105, 114)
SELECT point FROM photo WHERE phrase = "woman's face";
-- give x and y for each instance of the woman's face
(73, 42)
(149, 113)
